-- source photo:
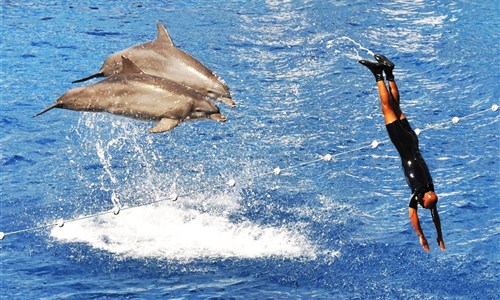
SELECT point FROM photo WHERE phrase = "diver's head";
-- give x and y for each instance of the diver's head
(428, 200)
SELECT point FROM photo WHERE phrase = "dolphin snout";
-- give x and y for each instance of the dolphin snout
(218, 117)
(228, 101)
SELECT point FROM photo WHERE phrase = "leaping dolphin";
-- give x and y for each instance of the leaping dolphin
(134, 94)
(163, 59)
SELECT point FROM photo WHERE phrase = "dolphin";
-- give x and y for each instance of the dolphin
(135, 94)
(163, 59)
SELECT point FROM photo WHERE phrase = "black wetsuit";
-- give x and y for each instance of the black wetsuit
(415, 169)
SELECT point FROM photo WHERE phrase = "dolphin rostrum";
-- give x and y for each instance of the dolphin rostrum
(163, 59)
(134, 94)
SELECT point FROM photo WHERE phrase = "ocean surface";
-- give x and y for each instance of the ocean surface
(295, 225)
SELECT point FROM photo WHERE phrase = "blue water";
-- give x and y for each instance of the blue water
(325, 230)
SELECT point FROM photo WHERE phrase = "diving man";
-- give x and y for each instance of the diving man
(405, 140)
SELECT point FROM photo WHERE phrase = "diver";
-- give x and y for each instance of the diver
(406, 142)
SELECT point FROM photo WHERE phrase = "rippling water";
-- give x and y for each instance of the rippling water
(326, 230)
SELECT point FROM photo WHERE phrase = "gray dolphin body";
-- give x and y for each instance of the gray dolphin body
(132, 93)
(163, 59)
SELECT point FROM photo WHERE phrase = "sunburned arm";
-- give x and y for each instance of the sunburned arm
(416, 225)
(437, 224)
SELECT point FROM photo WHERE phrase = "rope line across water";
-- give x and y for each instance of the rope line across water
(231, 183)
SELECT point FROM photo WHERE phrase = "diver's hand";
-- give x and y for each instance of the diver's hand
(441, 244)
(424, 244)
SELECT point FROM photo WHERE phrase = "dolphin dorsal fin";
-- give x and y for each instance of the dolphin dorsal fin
(163, 36)
(129, 67)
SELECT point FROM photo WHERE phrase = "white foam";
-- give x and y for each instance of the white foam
(202, 225)
(170, 231)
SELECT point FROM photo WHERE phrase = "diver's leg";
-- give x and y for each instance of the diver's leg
(385, 96)
(394, 92)
(393, 87)
(386, 103)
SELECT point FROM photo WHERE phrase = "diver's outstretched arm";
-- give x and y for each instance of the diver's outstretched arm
(437, 224)
(416, 225)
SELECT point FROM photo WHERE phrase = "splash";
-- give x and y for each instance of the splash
(344, 45)
(133, 169)
(176, 232)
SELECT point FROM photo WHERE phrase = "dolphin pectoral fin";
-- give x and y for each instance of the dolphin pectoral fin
(164, 125)
(163, 36)
(228, 101)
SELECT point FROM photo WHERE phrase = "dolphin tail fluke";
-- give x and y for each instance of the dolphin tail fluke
(55, 105)
(100, 74)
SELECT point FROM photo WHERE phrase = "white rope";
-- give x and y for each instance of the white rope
(231, 183)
